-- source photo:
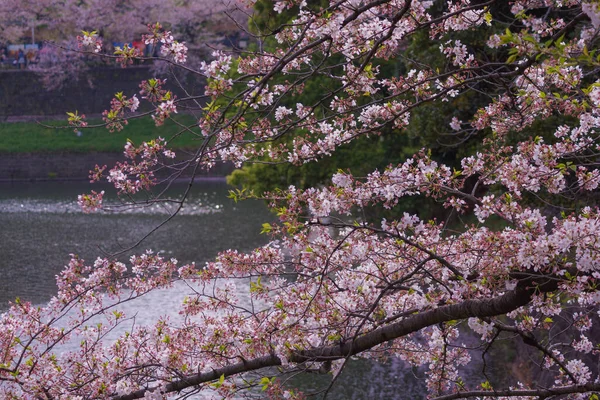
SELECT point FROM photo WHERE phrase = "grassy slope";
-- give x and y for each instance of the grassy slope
(24, 137)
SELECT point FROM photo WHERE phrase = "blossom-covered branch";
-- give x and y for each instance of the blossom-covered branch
(356, 265)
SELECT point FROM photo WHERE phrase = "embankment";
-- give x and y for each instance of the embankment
(22, 93)
(69, 166)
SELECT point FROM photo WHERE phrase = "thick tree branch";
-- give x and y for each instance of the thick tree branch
(194, 380)
(470, 308)
(539, 393)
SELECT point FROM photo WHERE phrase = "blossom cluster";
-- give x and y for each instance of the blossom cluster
(90, 202)
(115, 117)
(152, 89)
(90, 40)
(335, 281)
(169, 47)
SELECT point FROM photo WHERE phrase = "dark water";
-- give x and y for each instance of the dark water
(41, 224)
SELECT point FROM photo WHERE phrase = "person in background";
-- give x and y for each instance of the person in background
(21, 60)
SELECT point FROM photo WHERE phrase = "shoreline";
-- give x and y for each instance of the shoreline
(64, 180)
(13, 119)
(73, 166)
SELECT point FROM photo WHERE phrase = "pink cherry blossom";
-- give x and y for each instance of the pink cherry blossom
(513, 261)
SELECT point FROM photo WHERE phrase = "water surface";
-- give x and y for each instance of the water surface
(41, 224)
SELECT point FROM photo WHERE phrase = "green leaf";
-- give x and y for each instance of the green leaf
(279, 304)
(219, 383)
(266, 382)
(266, 228)
(256, 286)
(488, 18)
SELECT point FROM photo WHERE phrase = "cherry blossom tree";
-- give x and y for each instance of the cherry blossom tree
(520, 267)
(57, 23)
(118, 20)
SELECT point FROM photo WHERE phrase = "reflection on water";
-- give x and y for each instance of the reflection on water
(40, 225)
(168, 207)
(365, 379)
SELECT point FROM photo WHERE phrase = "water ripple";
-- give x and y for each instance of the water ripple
(71, 207)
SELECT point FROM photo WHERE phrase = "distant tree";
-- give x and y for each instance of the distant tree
(334, 283)
(58, 22)
(118, 20)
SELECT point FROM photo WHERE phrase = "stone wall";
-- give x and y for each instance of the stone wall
(22, 92)
(22, 95)
(66, 166)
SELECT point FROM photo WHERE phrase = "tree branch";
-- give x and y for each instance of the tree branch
(539, 393)
(508, 302)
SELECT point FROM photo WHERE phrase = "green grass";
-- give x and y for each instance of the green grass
(31, 137)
